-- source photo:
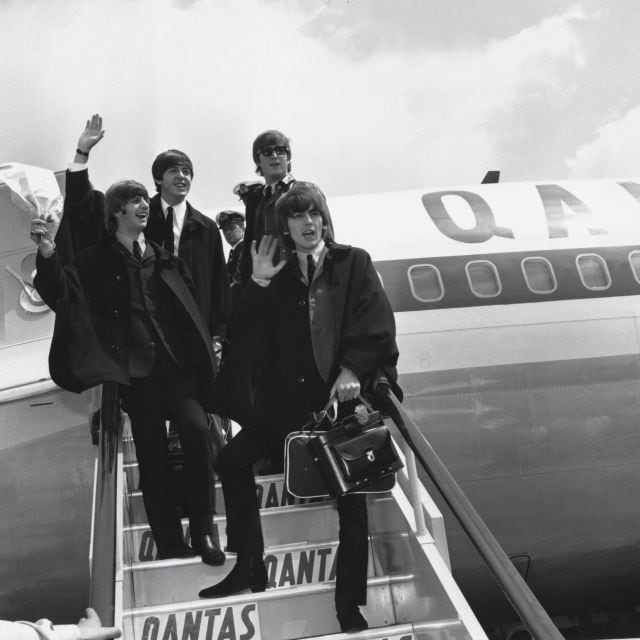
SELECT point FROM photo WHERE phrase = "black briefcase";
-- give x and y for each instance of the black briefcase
(356, 455)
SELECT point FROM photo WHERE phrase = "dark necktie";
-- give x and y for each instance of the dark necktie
(311, 269)
(273, 189)
(137, 251)
(169, 244)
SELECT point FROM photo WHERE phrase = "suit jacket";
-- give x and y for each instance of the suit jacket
(83, 217)
(278, 315)
(234, 257)
(91, 297)
(201, 249)
(257, 205)
(83, 225)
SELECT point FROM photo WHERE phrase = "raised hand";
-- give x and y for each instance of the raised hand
(42, 233)
(263, 268)
(92, 134)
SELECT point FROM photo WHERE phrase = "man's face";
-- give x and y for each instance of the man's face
(305, 228)
(132, 219)
(233, 233)
(273, 162)
(175, 183)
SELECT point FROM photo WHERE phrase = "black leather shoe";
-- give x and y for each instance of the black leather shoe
(175, 550)
(204, 546)
(248, 573)
(351, 620)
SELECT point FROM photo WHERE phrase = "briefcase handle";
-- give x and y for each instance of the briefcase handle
(330, 411)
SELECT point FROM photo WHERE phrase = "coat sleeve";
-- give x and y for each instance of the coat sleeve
(54, 281)
(83, 216)
(49, 280)
(220, 295)
(41, 630)
(367, 343)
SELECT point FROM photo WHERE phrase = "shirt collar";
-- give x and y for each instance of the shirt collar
(268, 188)
(179, 210)
(318, 254)
(127, 242)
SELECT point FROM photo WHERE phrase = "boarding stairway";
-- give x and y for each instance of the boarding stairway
(411, 593)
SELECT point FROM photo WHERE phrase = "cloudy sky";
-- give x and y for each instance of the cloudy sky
(375, 95)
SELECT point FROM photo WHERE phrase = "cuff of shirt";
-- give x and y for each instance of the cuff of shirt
(261, 282)
(47, 631)
(66, 632)
(77, 166)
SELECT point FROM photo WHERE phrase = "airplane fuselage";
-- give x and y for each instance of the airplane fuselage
(517, 311)
(517, 314)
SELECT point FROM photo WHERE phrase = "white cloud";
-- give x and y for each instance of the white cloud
(207, 77)
(613, 152)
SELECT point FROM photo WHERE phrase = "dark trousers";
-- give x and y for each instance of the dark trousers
(168, 393)
(244, 532)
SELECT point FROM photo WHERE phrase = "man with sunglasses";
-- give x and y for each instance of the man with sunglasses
(272, 156)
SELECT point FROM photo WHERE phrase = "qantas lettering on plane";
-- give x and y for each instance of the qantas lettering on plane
(560, 207)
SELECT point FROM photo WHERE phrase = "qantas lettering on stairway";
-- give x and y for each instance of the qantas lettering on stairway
(238, 622)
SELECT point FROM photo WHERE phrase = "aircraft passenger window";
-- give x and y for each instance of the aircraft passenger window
(539, 275)
(634, 262)
(426, 283)
(483, 278)
(593, 271)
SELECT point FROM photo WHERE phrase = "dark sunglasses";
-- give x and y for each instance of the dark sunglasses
(268, 151)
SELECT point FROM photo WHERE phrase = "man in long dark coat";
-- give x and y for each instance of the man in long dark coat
(125, 313)
(330, 330)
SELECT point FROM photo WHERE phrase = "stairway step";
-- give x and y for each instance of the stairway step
(284, 614)
(270, 490)
(166, 581)
(281, 525)
(440, 629)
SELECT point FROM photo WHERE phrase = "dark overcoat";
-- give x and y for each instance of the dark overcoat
(83, 221)
(83, 225)
(276, 320)
(254, 200)
(234, 256)
(201, 249)
(91, 297)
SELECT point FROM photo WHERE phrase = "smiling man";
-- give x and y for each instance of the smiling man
(174, 223)
(182, 230)
(125, 313)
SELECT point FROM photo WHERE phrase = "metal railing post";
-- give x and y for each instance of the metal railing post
(414, 486)
(103, 561)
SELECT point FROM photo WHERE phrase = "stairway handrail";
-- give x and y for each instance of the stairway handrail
(527, 606)
(103, 541)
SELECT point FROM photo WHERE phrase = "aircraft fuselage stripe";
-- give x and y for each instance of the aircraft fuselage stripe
(514, 289)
